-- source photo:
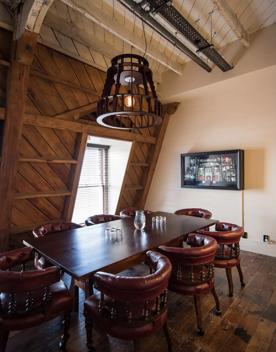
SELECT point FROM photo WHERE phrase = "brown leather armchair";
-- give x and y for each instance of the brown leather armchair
(198, 212)
(130, 212)
(193, 270)
(30, 298)
(99, 219)
(228, 250)
(130, 307)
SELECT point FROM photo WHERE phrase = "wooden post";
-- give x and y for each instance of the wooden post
(168, 110)
(22, 56)
(75, 176)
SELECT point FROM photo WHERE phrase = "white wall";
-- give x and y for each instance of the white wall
(237, 113)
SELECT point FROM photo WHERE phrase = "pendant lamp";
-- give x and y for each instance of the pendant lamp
(129, 100)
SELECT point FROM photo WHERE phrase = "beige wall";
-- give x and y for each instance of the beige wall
(237, 113)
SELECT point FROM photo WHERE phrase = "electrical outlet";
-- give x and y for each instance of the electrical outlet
(245, 235)
(266, 238)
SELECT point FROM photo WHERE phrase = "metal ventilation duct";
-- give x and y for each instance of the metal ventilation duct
(145, 15)
(174, 18)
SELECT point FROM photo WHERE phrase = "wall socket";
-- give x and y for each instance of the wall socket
(245, 235)
(266, 238)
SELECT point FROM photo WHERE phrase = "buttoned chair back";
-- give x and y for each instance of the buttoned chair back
(101, 218)
(28, 298)
(197, 212)
(130, 212)
(130, 307)
(228, 237)
(193, 270)
(46, 229)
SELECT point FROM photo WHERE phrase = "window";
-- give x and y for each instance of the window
(92, 195)
(101, 179)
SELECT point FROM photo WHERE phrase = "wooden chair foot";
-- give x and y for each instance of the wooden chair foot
(89, 327)
(217, 309)
(240, 275)
(167, 335)
(197, 302)
(230, 280)
(4, 335)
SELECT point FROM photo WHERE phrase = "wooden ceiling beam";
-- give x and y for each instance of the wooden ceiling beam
(92, 13)
(31, 16)
(232, 20)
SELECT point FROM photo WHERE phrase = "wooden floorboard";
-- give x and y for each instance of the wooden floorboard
(248, 322)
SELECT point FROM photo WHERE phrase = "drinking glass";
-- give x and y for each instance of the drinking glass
(139, 220)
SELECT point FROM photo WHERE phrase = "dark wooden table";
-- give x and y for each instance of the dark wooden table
(82, 252)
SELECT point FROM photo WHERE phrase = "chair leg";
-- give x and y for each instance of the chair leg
(136, 346)
(241, 275)
(4, 335)
(89, 328)
(197, 302)
(230, 280)
(76, 299)
(167, 335)
(65, 335)
(214, 293)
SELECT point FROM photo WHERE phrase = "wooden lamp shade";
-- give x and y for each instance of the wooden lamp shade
(129, 99)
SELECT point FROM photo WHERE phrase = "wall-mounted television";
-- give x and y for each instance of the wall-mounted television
(215, 170)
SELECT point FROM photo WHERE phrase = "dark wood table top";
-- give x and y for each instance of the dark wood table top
(82, 252)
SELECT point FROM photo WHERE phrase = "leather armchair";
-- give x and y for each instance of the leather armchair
(198, 212)
(193, 270)
(46, 229)
(30, 298)
(99, 219)
(228, 238)
(130, 307)
(130, 212)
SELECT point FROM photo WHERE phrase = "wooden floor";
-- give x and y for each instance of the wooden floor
(248, 322)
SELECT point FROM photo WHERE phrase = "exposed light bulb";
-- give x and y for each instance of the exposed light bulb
(129, 101)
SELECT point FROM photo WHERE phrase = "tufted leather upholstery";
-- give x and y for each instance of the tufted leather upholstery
(130, 307)
(193, 269)
(130, 212)
(46, 229)
(29, 298)
(198, 212)
(98, 219)
(228, 238)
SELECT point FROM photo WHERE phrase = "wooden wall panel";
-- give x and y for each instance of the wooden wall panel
(52, 149)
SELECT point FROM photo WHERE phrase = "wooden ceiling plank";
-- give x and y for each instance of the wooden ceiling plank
(233, 21)
(90, 12)
(31, 16)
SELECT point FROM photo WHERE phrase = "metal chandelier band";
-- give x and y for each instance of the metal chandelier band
(129, 100)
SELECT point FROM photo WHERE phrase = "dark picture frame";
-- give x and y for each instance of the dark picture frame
(222, 169)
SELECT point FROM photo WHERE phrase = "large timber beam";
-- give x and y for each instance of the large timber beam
(22, 56)
(232, 20)
(32, 16)
(92, 13)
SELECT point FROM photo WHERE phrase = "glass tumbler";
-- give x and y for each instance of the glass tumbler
(140, 220)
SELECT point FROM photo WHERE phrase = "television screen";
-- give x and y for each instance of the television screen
(217, 170)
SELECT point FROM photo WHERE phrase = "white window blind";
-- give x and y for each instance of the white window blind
(92, 195)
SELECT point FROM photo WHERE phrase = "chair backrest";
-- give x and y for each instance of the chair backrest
(135, 298)
(130, 212)
(198, 212)
(228, 238)
(45, 229)
(15, 257)
(192, 266)
(101, 218)
(26, 292)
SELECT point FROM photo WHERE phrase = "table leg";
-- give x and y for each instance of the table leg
(89, 287)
